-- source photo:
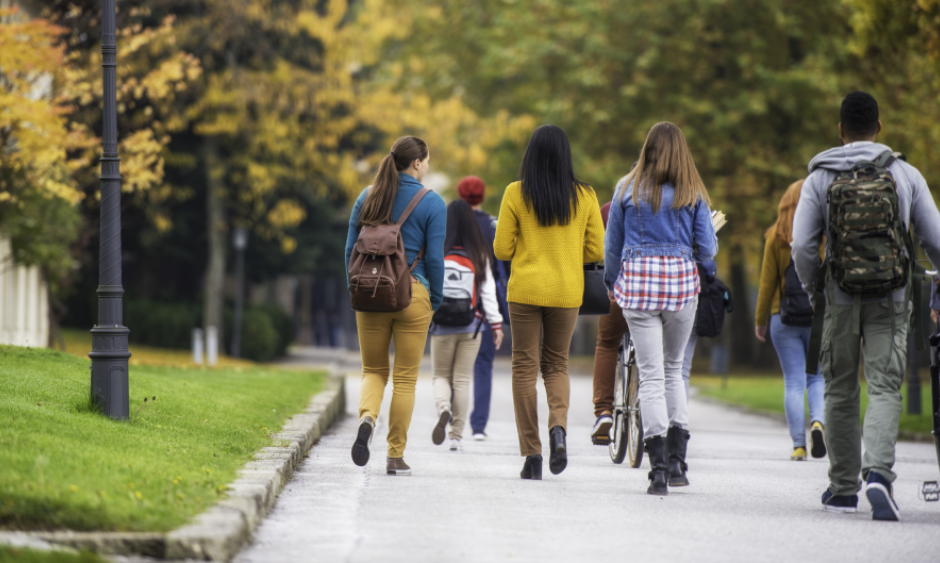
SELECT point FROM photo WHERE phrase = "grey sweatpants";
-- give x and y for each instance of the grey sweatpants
(660, 338)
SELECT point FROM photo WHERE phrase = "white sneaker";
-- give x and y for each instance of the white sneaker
(455, 445)
(479, 436)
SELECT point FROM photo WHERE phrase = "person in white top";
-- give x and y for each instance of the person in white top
(469, 302)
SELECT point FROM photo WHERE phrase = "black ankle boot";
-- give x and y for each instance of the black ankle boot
(558, 460)
(676, 441)
(656, 451)
(532, 468)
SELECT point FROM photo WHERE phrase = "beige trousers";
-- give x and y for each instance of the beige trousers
(453, 357)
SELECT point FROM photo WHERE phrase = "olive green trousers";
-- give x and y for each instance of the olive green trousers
(885, 358)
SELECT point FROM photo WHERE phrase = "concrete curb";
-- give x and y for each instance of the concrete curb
(219, 533)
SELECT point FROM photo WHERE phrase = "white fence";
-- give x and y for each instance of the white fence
(24, 302)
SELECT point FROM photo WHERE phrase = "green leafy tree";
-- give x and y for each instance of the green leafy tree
(754, 85)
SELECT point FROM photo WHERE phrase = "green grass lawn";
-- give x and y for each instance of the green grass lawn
(19, 555)
(63, 466)
(766, 394)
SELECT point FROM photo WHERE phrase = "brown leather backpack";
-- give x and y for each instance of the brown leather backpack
(379, 276)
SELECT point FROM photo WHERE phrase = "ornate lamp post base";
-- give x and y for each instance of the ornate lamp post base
(109, 356)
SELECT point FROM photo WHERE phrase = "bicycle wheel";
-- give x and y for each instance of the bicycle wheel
(619, 430)
(634, 418)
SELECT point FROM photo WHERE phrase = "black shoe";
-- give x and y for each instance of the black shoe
(532, 468)
(360, 448)
(839, 503)
(558, 460)
(677, 440)
(817, 435)
(440, 431)
(880, 497)
(656, 450)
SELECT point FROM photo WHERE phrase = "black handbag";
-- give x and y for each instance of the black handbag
(595, 301)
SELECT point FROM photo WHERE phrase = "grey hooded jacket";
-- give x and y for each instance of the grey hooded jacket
(810, 221)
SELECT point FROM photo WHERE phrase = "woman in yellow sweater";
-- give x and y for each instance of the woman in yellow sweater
(790, 337)
(549, 225)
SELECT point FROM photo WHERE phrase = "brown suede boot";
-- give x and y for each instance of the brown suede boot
(397, 466)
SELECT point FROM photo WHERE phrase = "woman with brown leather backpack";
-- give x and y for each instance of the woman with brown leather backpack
(395, 267)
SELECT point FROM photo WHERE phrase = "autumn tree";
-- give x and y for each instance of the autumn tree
(41, 149)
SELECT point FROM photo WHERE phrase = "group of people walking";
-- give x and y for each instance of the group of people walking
(417, 266)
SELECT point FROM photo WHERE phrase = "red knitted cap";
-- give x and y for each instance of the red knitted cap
(471, 189)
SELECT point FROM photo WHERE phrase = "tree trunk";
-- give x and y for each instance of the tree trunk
(217, 230)
(741, 320)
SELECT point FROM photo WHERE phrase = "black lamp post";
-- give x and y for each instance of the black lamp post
(109, 352)
(240, 241)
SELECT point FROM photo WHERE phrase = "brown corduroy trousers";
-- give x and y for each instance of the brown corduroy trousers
(554, 327)
(611, 329)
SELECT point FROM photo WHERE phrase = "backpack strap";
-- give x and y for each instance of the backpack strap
(411, 206)
(418, 258)
(819, 314)
(887, 158)
(404, 217)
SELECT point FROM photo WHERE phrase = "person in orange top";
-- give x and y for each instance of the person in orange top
(549, 226)
(791, 342)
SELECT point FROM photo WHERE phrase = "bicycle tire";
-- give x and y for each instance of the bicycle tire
(634, 417)
(619, 432)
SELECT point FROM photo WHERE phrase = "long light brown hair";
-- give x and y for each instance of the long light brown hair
(377, 209)
(665, 157)
(782, 229)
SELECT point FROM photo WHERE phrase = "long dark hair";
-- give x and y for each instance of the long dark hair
(463, 230)
(549, 186)
(377, 209)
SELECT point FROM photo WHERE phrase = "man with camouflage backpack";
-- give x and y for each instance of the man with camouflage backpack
(864, 198)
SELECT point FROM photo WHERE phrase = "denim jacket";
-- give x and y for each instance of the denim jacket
(634, 231)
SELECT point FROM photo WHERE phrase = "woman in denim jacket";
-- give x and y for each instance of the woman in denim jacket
(656, 233)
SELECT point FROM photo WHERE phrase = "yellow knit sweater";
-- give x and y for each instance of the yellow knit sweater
(547, 262)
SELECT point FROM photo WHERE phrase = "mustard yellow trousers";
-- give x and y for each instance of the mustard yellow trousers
(409, 329)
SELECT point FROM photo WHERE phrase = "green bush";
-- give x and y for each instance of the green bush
(259, 340)
(283, 325)
(165, 325)
(266, 330)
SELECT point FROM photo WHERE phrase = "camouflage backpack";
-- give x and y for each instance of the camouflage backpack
(869, 246)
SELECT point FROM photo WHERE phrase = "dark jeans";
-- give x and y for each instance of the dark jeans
(483, 381)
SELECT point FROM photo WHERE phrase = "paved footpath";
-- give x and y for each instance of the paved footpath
(747, 501)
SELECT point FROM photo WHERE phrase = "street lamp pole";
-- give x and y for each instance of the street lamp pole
(240, 241)
(109, 352)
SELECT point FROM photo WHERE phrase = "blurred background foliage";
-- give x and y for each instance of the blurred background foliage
(274, 114)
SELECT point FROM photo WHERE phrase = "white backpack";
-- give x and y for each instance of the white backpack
(459, 307)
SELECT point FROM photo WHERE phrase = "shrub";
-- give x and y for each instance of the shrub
(165, 325)
(259, 340)
(283, 325)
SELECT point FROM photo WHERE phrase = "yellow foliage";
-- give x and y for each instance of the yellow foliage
(35, 134)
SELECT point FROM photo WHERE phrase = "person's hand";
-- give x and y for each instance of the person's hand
(498, 337)
(761, 333)
(935, 316)
(610, 295)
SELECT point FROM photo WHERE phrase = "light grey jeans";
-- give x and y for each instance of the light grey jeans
(687, 360)
(660, 338)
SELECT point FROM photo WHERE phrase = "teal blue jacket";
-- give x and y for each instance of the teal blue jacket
(426, 226)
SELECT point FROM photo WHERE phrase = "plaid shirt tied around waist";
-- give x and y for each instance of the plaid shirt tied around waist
(656, 283)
